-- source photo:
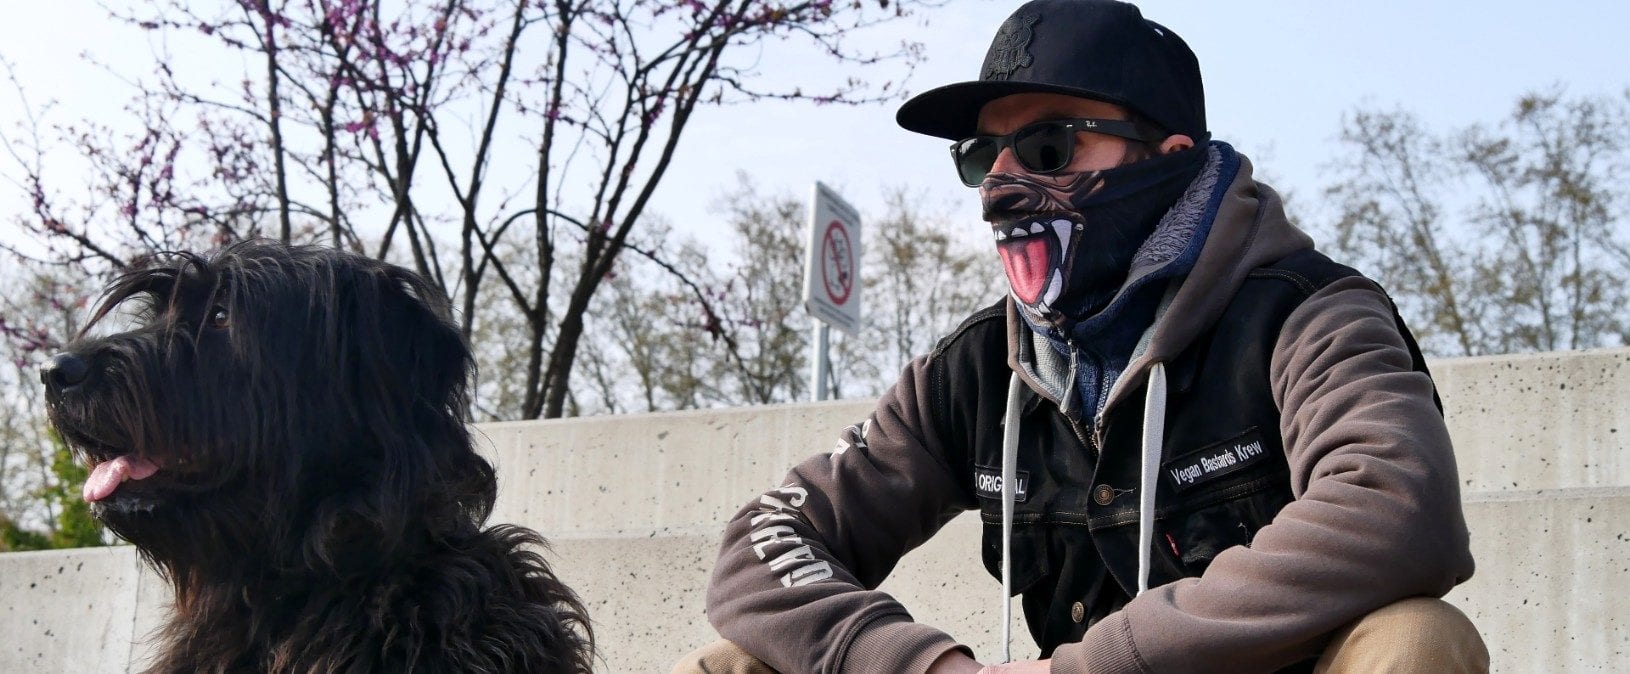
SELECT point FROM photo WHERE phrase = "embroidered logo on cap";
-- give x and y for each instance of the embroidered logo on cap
(988, 483)
(1212, 462)
(1008, 51)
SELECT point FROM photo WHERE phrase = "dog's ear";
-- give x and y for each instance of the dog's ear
(421, 334)
(432, 359)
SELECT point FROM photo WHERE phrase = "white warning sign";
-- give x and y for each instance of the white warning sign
(832, 261)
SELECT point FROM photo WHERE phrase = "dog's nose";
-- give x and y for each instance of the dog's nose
(65, 370)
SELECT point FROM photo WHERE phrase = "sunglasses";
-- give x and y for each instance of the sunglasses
(1043, 147)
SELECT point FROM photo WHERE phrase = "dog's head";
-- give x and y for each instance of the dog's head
(273, 400)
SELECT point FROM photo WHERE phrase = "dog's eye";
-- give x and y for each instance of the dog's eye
(219, 318)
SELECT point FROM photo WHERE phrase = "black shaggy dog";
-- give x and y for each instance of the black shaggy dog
(283, 437)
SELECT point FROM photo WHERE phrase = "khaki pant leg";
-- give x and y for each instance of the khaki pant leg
(1413, 635)
(721, 657)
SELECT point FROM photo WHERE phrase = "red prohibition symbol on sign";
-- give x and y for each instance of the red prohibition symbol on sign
(837, 264)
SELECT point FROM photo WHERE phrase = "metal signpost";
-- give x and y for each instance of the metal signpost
(831, 277)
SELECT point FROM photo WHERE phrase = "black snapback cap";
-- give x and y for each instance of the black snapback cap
(1098, 49)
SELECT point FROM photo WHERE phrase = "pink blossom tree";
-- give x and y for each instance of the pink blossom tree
(390, 128)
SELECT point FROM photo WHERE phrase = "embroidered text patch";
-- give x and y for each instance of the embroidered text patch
(988, 483)
(1215, 461)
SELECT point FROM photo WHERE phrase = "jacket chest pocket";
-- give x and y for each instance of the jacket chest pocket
(1197, 533)
(1221, 495)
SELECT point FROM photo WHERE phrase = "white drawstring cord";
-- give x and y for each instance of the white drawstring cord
(1010, 466)
(1154, 432)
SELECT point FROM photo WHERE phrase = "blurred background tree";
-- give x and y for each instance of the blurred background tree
(1508, 237)
(662, 350)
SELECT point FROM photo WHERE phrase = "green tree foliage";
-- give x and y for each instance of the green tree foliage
(40, 504)
(16, 538)
(72, 525)
(1495, 238)
(75, 527)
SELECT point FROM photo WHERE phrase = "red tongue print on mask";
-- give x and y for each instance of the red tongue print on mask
(1027, 265)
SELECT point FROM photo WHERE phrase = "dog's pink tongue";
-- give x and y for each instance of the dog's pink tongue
(107, 476)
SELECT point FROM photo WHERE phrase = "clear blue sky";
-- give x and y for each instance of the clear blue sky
(1279, 76)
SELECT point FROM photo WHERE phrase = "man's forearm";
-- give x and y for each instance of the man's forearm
(794, 584)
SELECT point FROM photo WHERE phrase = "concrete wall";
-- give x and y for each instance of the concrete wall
(634, 504)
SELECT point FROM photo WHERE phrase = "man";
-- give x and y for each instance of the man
(1196, 443)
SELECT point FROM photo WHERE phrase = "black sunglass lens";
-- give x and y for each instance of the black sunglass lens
(1044, 147)
(974, 157)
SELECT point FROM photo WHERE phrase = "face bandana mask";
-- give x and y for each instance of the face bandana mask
(1067, 239)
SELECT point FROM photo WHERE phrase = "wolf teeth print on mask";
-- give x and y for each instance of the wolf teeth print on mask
(1067, 239)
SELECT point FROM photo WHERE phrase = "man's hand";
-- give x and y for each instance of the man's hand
(1020, 667)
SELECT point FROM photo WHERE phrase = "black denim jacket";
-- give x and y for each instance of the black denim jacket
(1223, 470)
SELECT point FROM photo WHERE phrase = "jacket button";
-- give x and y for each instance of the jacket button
(1102, 495)
(1078, 612)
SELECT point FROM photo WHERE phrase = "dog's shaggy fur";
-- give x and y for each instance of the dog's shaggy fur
(316, 503)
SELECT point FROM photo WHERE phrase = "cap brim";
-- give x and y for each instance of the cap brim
(952, 111)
